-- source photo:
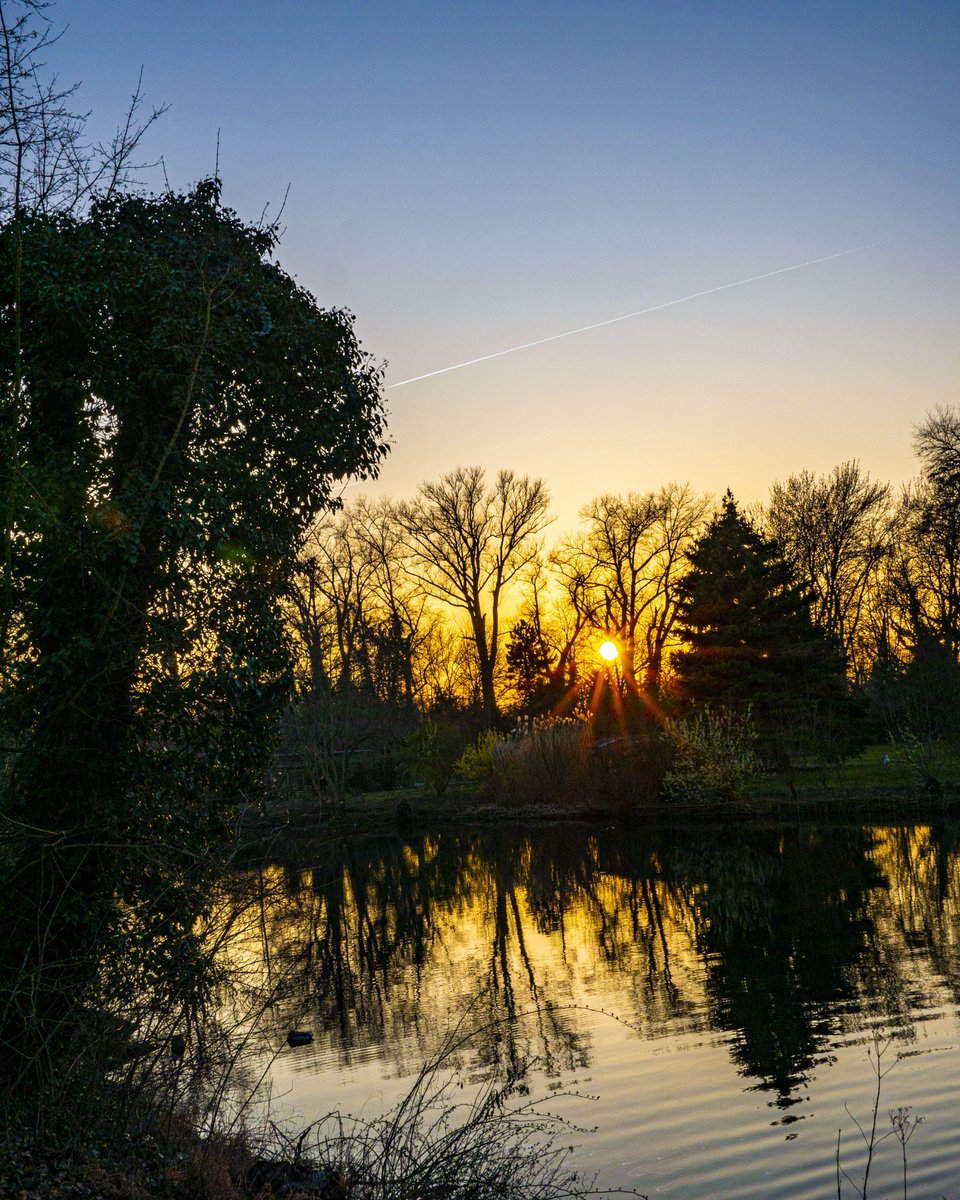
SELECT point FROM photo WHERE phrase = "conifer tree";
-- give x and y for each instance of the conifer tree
(751, 643)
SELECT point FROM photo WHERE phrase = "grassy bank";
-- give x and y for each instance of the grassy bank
(495, 1144)
(880, 782)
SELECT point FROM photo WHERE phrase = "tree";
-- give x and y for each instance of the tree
(919, 688)
(466, 543)
(47, 166)
(930, 564)
(680, 517)
(183, 411)
(360, 629)
(751, 642)
(529, 665)
(46, 162)
(621, 572)
(837, 533)
(617, 550)
(401, 622)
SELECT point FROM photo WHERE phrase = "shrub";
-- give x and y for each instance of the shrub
(630, 771)
(476, 762)
(715, 755)
(432, 752)
(547, 761)
(561, 763)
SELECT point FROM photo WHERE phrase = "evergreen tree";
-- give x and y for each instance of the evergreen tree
(751, 643)
(529, 667)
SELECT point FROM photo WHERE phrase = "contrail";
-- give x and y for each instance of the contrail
(555, 337)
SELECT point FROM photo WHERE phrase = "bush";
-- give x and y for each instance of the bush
(630, 771)
(432, 751)
(476, 762)
(715, 756)
(545, 762)
(561, 764)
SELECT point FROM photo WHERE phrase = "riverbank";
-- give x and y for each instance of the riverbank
(411, 809)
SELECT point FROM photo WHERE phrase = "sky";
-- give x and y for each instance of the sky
(471, 177)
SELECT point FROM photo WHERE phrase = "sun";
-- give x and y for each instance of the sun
(608, 651)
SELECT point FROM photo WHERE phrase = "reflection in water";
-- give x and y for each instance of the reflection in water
(784, 923)
(780, 938)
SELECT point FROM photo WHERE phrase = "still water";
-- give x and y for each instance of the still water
(698, 1003)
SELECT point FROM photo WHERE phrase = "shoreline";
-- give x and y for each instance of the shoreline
(409, 810)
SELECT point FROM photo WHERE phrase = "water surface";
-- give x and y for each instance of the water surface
(700, 1003)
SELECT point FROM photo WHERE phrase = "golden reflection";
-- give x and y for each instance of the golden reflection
(381, 954)
(781, 937)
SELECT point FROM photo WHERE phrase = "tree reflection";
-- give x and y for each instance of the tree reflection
(782, 937)
(783, 925)
(919, 914)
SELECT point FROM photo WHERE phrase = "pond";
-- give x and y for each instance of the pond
(703, 1005)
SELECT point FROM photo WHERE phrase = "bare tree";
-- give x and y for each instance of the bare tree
(466, 542)
(574, 613)
(930, 554)
(620, 572)
(47, 161)
(619, 548)
(923, 600)
(360, 629)
(400, 622)
(329, 603)
(836, 532)
(936, 441)
(681, 514)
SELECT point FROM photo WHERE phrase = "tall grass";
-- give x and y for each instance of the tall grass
(545, 763)
(561, 765)
(496, 1145)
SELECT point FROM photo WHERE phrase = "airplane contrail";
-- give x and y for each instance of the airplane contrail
(640, 312)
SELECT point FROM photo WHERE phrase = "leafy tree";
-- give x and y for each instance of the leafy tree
(752, 644)
(47, 166)
(528, 665)
(182, 409)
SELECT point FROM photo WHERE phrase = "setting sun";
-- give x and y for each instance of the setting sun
(608, 651)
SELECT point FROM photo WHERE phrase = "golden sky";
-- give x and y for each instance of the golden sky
(471, 177)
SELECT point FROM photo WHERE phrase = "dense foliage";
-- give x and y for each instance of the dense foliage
(179, 409)
(751, 643)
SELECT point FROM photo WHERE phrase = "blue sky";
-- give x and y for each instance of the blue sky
(469, 177)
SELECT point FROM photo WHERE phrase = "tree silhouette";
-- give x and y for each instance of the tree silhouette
(837, 533)
(467, 542)
(751, 640)
(184, 409)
